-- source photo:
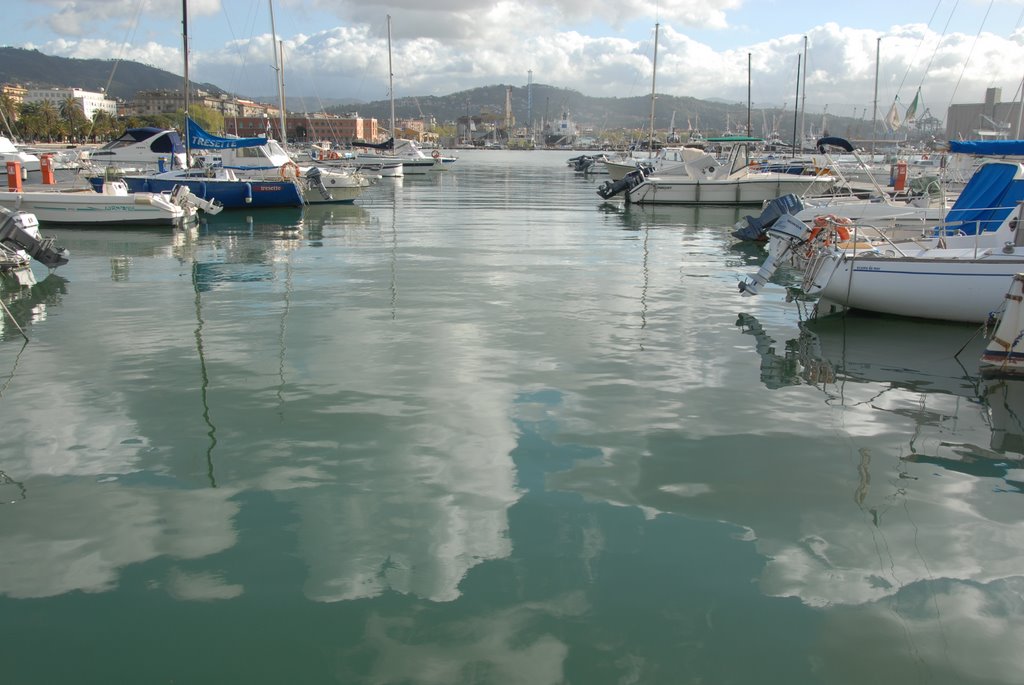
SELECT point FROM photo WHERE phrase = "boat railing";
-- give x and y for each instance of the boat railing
(892, 248)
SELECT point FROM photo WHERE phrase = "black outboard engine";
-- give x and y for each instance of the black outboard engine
(315, 181)
(756, 228)
(583, 163)
(610, 189)
(20, 230)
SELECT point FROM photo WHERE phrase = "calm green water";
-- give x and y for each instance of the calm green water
(480, 428)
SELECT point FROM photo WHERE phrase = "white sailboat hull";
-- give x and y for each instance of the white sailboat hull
(944, 289)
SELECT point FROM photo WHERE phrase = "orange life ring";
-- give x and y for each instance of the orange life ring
(837, 223)
(293, 173)
(335, 155)
(435, 154)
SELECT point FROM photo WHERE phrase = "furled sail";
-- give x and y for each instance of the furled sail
(201, 140)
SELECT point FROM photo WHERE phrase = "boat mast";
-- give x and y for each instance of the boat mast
(803, 99)
(1020, 107)
(280, 76)
(654, 75)
(391, 86)
(796, 107)
(184, 37)
(748, 96)
(874, 113)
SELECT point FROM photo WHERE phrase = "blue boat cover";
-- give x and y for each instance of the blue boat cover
(201, 140)
(987, 199)
(987, 147)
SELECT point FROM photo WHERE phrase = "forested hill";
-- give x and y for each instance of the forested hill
(34, 69)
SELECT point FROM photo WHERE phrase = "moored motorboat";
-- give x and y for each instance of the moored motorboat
(112, 205)
(666, 162)
(327, 156)
(9, 152)
(139, 148)
(707, 181)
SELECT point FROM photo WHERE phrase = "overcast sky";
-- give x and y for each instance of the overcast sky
(952, 49)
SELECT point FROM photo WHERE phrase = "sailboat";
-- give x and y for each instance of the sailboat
(263, 159)
(217, 184)
(618, 167)
(414, 160)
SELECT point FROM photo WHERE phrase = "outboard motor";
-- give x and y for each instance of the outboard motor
(577, 162)
(610, 189)
(183, 197)
(789, 232)
(315, 181)
(20, 230)
(755, 228)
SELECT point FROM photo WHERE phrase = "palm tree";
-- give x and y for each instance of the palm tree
(103, 125)
(71, 112)
(49, 121)
(8, 113)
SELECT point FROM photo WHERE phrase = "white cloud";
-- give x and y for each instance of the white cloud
(79, 17)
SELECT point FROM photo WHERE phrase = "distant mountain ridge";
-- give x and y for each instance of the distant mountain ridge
(34, 69)
(544, 104)
(547, 103)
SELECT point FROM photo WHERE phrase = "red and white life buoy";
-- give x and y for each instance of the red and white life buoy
(435, 154)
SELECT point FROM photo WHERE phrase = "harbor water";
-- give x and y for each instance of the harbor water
(481, 427)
